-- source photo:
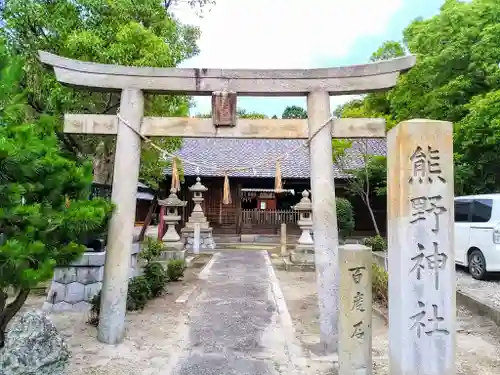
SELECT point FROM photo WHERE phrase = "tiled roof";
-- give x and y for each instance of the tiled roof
(227, 153)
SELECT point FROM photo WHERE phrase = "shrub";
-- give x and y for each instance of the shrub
(175, 269)
(45, 211)
(377, 243)
(345, 217)
(95, 310)
(139, 292)
(157, 278)
(380, 285)
(151, 249)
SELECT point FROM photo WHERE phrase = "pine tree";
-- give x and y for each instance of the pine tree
(45, 210)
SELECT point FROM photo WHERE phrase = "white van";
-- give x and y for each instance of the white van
(477, 233)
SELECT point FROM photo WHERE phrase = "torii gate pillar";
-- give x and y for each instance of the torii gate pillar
(326, 242)
(125, 175)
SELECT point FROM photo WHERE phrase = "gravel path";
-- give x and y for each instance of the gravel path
(486, 290)
(233, 325)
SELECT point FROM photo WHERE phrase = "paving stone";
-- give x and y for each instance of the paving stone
(65, 275)
(96, 259)
(61, 307)
(81, 306)
(57, 292)
(91, 290)
(74, 292)
(89, 275)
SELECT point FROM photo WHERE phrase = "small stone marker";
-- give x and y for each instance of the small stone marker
(196, 239)
(355, 318)
(422, 310)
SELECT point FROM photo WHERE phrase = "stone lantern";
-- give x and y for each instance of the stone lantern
(197, 221)
(304, 250)
(172, 204)
(198, 189)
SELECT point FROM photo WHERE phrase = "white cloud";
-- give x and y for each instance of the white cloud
(283, 34)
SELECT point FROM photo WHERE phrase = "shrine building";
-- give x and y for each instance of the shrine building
(256, 208)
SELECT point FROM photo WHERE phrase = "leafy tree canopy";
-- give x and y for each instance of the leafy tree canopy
(240, 113)
(45, 211)
(457, 58)
(294, 111)
(138, 33)
(456, 78)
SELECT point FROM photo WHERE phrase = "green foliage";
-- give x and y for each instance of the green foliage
(139, 293)
(457, 59)
(140, 289)
(242, 113)
(39, 227)
(380, 285)
(175, 269)
(157, 278)
(477, 137)
(456, 78)
(373, 105)
(151, 249)
(362, 182)
(377, 243)
(345, 216)
(294, 111)
(388, 50)
(140, 33)
(95, 310)
(377, 174)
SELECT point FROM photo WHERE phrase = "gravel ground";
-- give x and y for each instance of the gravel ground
(151, 336)
(478, 338)
(487, 290)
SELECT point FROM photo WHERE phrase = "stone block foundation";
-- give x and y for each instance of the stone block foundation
(74, 286)
(206, 239)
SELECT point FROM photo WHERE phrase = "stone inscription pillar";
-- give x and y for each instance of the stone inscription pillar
(325, 218)
(422, 310)
(125, 176)
(355, 320)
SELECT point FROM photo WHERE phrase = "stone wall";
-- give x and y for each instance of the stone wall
(206, 239)
(74, 286)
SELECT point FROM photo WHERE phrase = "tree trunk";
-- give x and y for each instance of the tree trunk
(372, 215)
(10, 311)
(103, 164)
(149, 217)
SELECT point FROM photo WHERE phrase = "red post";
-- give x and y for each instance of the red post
(161, 224)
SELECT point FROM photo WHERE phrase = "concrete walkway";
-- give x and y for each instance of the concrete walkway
(236, 324)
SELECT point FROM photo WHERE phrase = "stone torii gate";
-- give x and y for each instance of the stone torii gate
(132, 82)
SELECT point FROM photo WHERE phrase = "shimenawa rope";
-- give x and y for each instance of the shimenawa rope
(226, 171)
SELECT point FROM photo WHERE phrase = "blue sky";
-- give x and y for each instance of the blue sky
(296, 34)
